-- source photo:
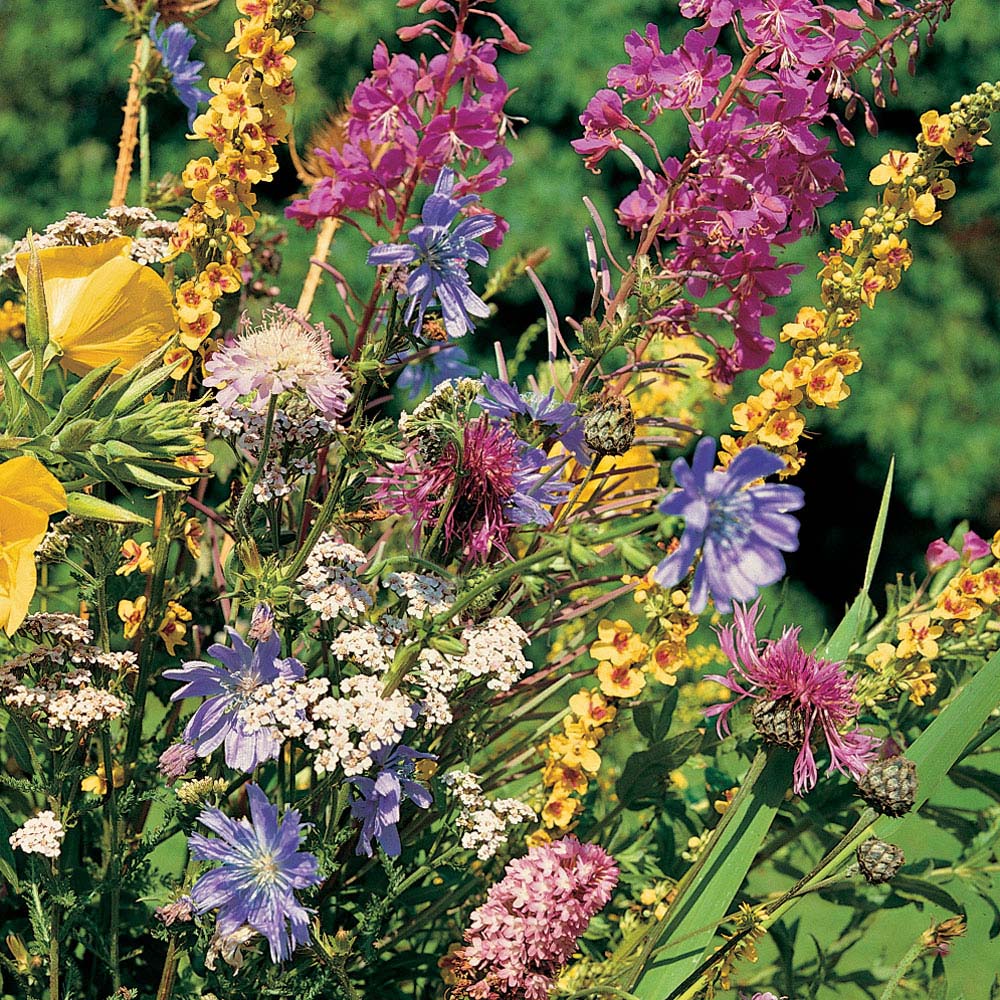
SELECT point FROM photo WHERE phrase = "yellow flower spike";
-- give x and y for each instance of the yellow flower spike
(29, 493)
(826, 385)
(620, 681)
(172, 631)
(617, 643)
(132, 614)
(102, 306)
(923, 208)
(782, 428)
(136, 557)
(894, 167)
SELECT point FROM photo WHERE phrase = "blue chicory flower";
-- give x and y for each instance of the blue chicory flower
(381, 797)
(422, 376)
(174, 44)
(261, 866)
(441, 256)
(535, 417)
(741, 529)
(227, 689)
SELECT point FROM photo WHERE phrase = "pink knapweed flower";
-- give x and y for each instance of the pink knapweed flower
(818, 693)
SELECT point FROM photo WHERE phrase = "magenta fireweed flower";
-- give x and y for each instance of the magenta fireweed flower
(974, 547)
(818, 691)
(261, 866)
(498, 484)
(227, 689)
(441, 255)
(741, 529)
(939, 553)
(527, 929)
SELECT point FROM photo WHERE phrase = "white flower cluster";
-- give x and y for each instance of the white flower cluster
(47, 624)
(367, 645)
(297, 433)
(344, 730)
(68, 701)
(493, 649)
(328, 584)
(42, 834)
(484, 823)
(426, 596)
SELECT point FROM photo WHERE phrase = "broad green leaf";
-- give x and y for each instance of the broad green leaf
(647, 772)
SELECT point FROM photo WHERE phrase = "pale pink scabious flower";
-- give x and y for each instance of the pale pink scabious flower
(817, 694)
(41, 834)
(283, 354)
(527, 929)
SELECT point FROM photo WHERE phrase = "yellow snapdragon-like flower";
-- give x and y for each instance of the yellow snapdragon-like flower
(102, 306)
(894, 168)
(29, 493)
(132, 614)
(136, 557)
(617, 643)
(620, 681)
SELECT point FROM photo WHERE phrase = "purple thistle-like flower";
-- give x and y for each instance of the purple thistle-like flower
(819, 691)
(227, 689)
(176, 761)
(261, 866)
(381, 797)
(536, 419)
(174, 45)
(441, 255)
(741, 529)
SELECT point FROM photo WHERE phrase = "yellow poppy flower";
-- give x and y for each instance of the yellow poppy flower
(102, 306)
(29, 493)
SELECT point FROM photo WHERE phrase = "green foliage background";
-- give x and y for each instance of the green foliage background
(930, 390)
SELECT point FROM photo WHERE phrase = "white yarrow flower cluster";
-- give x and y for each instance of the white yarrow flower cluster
(343, 730)
(42, 834)
(68, 701)
(426, 595)
(484, 823)
(328, 584)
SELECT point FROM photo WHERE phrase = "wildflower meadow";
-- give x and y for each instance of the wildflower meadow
(429, 567)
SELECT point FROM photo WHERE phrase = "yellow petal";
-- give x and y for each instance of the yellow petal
(25, 480)
(104, 306)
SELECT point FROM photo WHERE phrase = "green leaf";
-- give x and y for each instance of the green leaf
(908, 886)
(860, 612)
(17, 747)
(8, 863)
(96, 509)
(647, 772)
(654, 725)
(689, 925)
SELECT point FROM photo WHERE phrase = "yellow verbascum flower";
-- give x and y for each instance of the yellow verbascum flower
(29, 493)
(102, 306)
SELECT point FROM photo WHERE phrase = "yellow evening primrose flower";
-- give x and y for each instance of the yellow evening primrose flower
(136, 556)
(102, 306)
(132, 613)
(29, 493)
(895, 166)
(620, 681)
(617, 642)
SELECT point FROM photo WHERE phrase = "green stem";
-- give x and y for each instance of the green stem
(904, 964)
(113, 869)
(241, 520)
(54, 953)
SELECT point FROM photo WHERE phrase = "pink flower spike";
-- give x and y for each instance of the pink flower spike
(939, 553)
(973, 547)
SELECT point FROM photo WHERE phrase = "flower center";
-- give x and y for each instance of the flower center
(265, 868)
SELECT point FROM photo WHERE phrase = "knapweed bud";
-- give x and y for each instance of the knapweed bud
(609, 427)
(890, 785)
(779, 723)
(879, 860)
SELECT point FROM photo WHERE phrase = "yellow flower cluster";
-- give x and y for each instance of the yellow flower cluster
(625, 660)
(245, 120)
(930, 632)
(870, 259)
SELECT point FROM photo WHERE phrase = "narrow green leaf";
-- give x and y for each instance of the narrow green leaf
(710, 895)
(883, 513)
(8, 863)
